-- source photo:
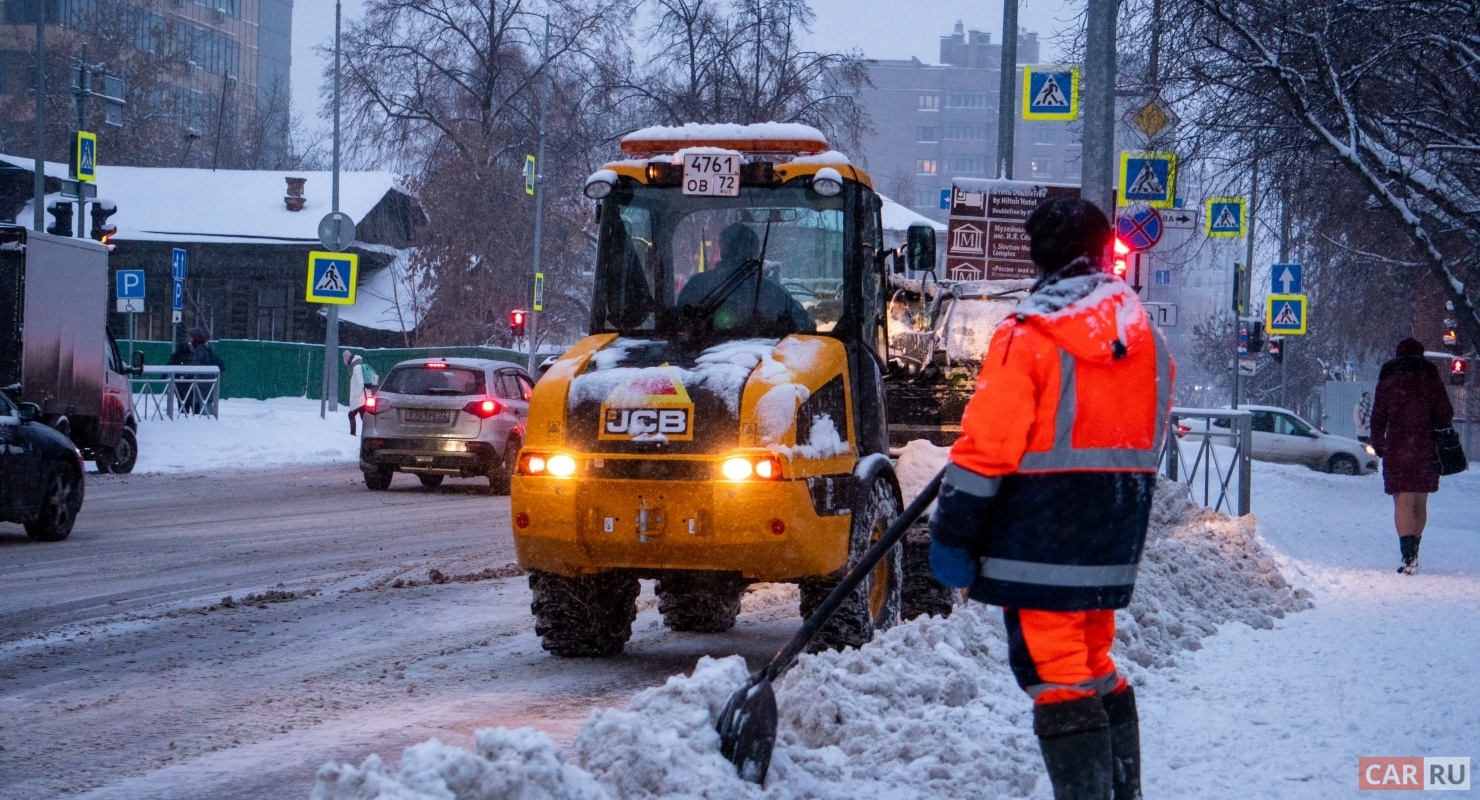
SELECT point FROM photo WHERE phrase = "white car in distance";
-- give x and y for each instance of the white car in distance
(1281, 436)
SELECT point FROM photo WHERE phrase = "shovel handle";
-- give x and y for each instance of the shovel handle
(788, 654)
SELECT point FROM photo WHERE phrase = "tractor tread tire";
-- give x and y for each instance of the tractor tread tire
(700, 602)
(588, 616)
(853, 625)
(922, 594)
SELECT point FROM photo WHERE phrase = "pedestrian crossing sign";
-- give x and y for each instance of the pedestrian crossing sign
(85, 157)
(1148, 178)
(1286, 314)
(1051, 93)
(332, 277)
(1226, 218)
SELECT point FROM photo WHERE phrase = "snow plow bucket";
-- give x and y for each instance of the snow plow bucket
(747, 725)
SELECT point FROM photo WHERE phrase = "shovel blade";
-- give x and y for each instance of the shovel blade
(747, 729)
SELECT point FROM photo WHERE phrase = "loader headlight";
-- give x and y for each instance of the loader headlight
(555, 465)
(741, 468)
(561, 466)
(737, 469)
(827, 182)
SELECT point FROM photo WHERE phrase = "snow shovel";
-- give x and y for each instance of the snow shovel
(747, 726)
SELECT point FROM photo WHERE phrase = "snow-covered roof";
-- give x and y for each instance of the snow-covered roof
(225, 206)
(898, 218)
(386, 299)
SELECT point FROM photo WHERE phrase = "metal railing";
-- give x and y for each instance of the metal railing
(1208, 449)
(162, 392)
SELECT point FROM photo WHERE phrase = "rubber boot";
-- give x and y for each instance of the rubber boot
(1075, 739)
(1409, 546)
(1125, 742)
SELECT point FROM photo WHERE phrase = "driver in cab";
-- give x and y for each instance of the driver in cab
(766, 307)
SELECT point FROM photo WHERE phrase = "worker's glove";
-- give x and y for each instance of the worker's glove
(953, 566)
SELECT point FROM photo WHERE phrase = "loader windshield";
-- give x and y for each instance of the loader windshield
(767, 263)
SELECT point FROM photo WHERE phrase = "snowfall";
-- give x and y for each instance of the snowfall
(1269, 653)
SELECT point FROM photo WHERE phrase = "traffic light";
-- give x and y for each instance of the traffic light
(1458, 372)
(1256, 336)
(101, 229)
(516, 322)
(1277, 349)
(1122, 252)
(61, 210)
(1450, 339)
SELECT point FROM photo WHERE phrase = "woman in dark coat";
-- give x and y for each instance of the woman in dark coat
(1411, 402)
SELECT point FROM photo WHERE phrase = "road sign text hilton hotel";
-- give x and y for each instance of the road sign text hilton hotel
(986, 237)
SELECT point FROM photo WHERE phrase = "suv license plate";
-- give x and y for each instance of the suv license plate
(425, 415)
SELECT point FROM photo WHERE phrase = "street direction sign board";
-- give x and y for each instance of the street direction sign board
(336, 231)
(1185, 218)
(1051, 93)
(1226, 217)
(85, 157)
(177, 263)
(1286, 314)
(1148, 178)
(332, 277)
(177, 302)
(1162, 314)
(129, 287)
(1286, 279)
(985, 238)
(1139, 226)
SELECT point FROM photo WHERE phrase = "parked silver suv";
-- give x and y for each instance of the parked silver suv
(436, 417)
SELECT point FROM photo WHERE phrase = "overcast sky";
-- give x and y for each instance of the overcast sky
(880, 28)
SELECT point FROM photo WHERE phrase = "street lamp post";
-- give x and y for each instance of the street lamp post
(38, 212)
(1097, 159)
(1007, 94)
(330, 400)
(539, 204)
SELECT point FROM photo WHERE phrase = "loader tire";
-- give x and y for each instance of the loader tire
(700, 602)
(922, 595)
(874, 605)
(583, 617)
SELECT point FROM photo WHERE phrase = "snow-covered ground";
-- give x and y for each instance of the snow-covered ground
(250, 434)
(1238, 697)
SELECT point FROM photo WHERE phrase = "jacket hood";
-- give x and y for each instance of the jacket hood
(1092, 314)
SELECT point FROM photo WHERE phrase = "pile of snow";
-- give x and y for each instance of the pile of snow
(727, 132)
(928, 709)
(250, 434)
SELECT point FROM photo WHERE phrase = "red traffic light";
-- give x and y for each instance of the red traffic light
(1122, 250)
(1458, 372)
(517, 319)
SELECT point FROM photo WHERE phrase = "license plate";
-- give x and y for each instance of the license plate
(711, 174)
(425, 415)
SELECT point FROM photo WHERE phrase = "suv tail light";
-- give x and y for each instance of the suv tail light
(483, 409)
(374, 405)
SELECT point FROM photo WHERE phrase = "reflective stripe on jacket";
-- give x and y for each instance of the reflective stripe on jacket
(1050, 483)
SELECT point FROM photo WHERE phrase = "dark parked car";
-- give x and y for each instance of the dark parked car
(41, 473)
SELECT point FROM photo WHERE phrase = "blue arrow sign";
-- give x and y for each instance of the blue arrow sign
(1162, 277)
(1286, 279)
(179, 299)
(177, 263)
(130, 284)
(945, 199)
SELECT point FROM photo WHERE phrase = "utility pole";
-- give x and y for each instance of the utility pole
(1097, 159)
(539, 205)
(330, 400)
(1286, 222)
(38, 211)
(1249, 268)
(84, 88)
(1007, 95)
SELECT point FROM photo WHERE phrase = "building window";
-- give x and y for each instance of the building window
(929, 102)
(966, 165)
(927, 198)
(1044, 133)
(927, 166)
(272, 313)
(1041, 168)
(966, 100)
(230, 8)
(966, 131)
(927, 134)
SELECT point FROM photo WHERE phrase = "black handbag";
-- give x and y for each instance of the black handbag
(1449, 456)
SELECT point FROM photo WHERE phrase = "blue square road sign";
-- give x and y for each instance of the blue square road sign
(1286, 279)
(945, 199)
(1050, 93)
(177, 263)
(130, 284)
(332, 277)
(177, 302)
(1149, 178)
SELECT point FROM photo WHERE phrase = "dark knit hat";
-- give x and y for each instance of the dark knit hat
(1410, 347)
(1063, 229)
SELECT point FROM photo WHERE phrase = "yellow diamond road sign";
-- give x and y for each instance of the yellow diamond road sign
(332, 277)
(1151, 119)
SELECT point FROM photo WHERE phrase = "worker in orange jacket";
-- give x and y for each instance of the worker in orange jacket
(1045, 502)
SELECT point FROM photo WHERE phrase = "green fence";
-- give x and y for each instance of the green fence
(288, 369)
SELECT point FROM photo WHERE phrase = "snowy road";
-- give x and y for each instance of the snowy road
(123, 675)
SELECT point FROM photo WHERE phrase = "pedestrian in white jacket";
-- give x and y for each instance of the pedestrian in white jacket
(362, 382)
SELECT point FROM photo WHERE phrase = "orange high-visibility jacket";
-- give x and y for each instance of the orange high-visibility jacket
(1050, 482)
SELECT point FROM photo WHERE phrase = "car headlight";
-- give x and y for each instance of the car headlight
(1369, 450)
